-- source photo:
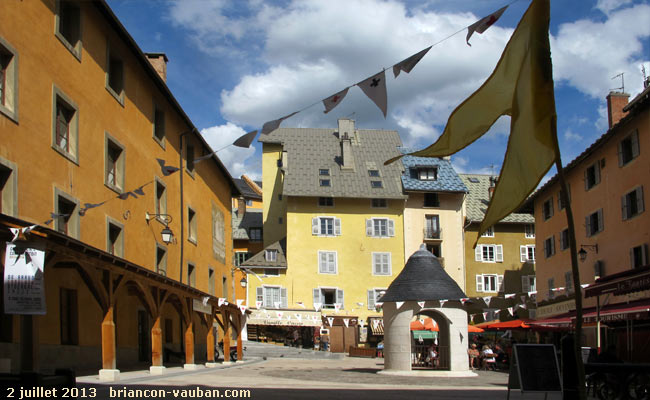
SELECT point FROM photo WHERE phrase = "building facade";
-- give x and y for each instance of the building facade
(89, 137)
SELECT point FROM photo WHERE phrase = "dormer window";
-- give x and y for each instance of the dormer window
(271, 255)
(427, 174)
(376, 184)
(324, 172)
(373, 173)
(325, 182)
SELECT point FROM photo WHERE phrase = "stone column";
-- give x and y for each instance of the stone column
(397, 336)
(157, 367)
(458, 339)
(109, 372)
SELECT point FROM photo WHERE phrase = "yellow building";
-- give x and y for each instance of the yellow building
(333, 229)
(503, 261)
(85, 123)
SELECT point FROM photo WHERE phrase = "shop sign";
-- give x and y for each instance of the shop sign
(198, 306)
(261, 317)
(555, 309)
(618, 317)
(24, 280)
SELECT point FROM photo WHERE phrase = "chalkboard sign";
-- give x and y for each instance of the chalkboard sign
(535, 369)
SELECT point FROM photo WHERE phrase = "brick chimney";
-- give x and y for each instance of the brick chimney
(493, 182)
(159, 63)
(241, 206)
(346, 131)
(615, 103)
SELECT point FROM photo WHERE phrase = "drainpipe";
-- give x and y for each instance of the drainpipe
(180, 164)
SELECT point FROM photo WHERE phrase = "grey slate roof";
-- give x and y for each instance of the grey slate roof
(448, 180)
(311, 149)
(246, 190)
(252, 219)
(422, 279)
(478, 199)
(259, 259)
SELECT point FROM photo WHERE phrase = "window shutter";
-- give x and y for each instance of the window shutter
(632, 258)
(368, 227)
(337, 226)
(479, 283)
(315, 227)
(317, 298)
(552, 244)
(260, 294)
(339, 297)
(371, 299)
(283, 297)
(478, 253)
(597, 172)
(620, 153)
(639, 199)
(601, 222)
(525, 284)
(500, 283)
(586, 179)
(635, 144)
(645, 254)
(332, 262)
(588, 225)
(391, 227)
(499, 251)
(523, 254)
(322, 262)
(624, 207)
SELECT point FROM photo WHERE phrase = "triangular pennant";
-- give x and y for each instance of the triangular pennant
(487, 300)
(270, 126)
(15, 232)
(522, 305)
(279, 314)
(422, 321)
(330, 320)
(509, 295)
(288, 317)
(510, 309)
(299, 317)
(220, 301)
(242, 309)
(334, 100)
(471, 317)
(421, 304)
(407, 65)
(317, 306)
(204, 301)
(379, 304)
(584, 285)
(464, 300)
(375, 323)
(239, 302)
(245, 140)
(166, 169)
(337, 306)
(399, 304)
(258, 304)
(485, 316)
(442, 302)
(532, 293)
(88, 206)
(346, 322)
(375, 88)
(483, 24)
(301, 304)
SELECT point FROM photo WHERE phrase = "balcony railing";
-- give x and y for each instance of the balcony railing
(432, 234)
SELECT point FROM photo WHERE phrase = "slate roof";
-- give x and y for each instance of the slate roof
(246, 190)
(422, 279)
(448, 180)
(259, 259)
(478, 199)
(252, 219)
(310, 149)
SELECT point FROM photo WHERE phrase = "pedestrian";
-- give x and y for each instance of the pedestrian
(473, 354)
(325, 341)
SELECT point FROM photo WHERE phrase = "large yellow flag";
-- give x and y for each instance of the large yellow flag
(521, 86)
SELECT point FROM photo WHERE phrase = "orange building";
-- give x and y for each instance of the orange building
(606, 191)
(86, 120)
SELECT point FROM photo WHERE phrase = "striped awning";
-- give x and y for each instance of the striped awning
(376, 326)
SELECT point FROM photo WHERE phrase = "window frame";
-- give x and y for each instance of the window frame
(317, 225)
(371, 227)
(9, 102)
(435, 203)
(73, 223)
(72, 151)
(627, 203)
(589, 223)
(525, 258)
(327, 271)
(643, 248)
(429, 232)
(74, 48)
(116, 247)
(489, 232)
(112, 54)
(527, 278)
(482, 279)
(119, 165)
(549, 250)
(428, 174)
(389, 263)
(375, 296)
(160, 261)
(252, 237)
(191, 274)
(595, 167)
(9, 191)
(325, 202)
(378, 203)
(529, 231)
(268, 253)
(634, 148)
(192, 226)
(547, 209)
(160, 202)
(159, 125)
(497, 251)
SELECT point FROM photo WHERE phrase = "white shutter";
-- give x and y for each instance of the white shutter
(259, 294)
(639, 199)
(523, 254)
(315, 227)
(368, 227)
(283, 297)
(478, 253)
(391, 227)
(479, 283)
(322, 262)
(525, 284)
(339, 297)
(499, 251)
(387, 264)
(375, 263)
(500, 283)
(316, 294)
(371, 299)
(337, 226)
(331, 262)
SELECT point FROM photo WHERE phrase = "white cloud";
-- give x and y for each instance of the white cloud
(607, 6)
(237, 160)
(572, 136)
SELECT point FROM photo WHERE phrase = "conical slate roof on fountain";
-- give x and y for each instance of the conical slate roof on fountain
(422, 279)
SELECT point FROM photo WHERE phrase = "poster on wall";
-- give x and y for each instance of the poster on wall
(24, 281)
(218, 234)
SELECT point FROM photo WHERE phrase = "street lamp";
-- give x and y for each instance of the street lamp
(165, 219)
(583, 253)
(243, 282)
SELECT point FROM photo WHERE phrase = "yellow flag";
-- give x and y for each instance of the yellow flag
(521, 86)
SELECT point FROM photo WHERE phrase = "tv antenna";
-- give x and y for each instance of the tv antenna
(622, 88)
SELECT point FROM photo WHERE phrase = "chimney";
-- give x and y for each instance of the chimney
(615, 103)
(493, 182)
(346, 131)
(241, 206)
(159, 62)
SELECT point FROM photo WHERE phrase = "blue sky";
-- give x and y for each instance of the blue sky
(235, 64)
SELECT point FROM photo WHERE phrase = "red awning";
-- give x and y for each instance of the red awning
(630, 281)
(507, 325)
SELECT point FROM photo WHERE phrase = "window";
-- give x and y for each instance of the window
(632, 203)
(191, 225)
(564, 239)
(547, 209)
(271, 255)
(159, 126)
(272, 296)
(161, 260)
(489, 283)
(594, 223)
(271, 272)
(432, 227)
(326, 202)
(211, 282)
(240, 257)
(373, 173)
(324, 172)
(189, 158)
(427, 174)
(255, 234)
(8, 188)
(380, 227)
(551, 286)
(639, 256)
(376, 184)
(529, 230)
(489, 253)
(191, 274)
(224, 287)
(549, 246)
(628, 148)
(327, 262)
(115, 76)
(378, 203)
(325, 226)
(65, 124)
(381, 264)
(434, 248)
(68, 220)
(431, 200)
(527, 253)
(68, 26)
(325, 182)
(489, 232)
(528, 283)
(599, 269)
(328, 297)
(560, 203)
(8, 80)
(69, 316)
(592, 175)
(568, 281)
(161, 197)
(169, 331)
(373, 297)
(114, 161)
(115, 238)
